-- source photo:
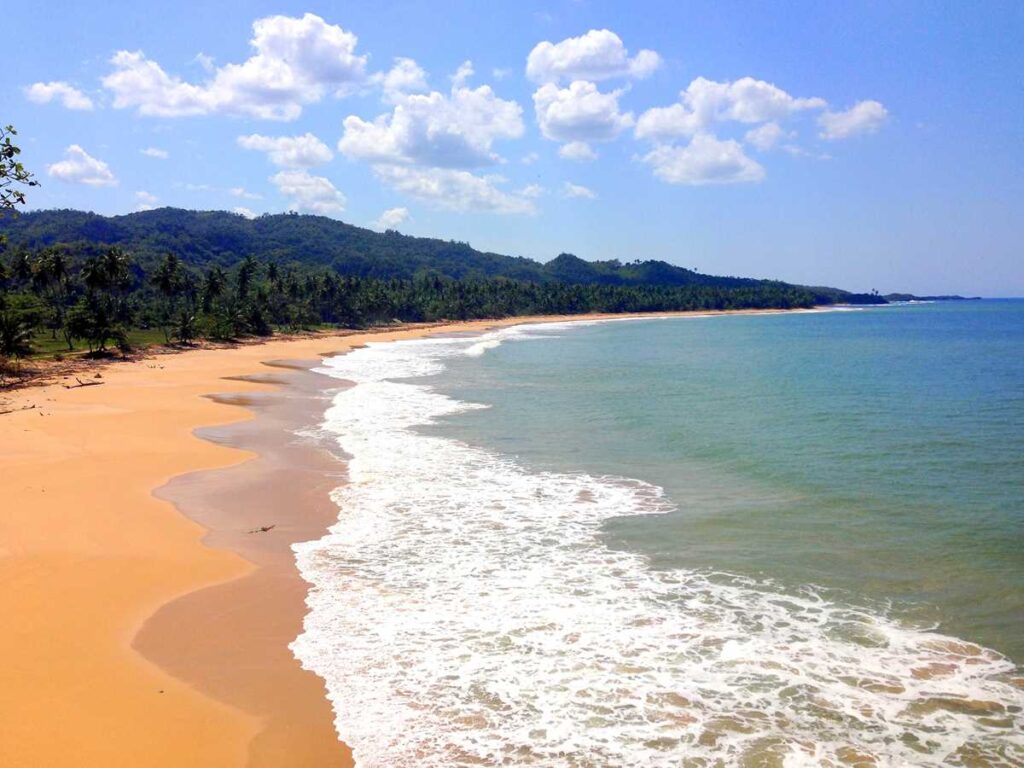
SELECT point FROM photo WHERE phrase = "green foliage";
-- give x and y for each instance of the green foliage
(13, 175)
(202, 239)
(186, 329)
(95, 319)
(50, 280)
(16, 331)
(89, 288)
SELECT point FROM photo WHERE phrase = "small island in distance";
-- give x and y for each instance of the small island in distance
(912, 297)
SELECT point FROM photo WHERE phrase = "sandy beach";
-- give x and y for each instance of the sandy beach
(145, 624)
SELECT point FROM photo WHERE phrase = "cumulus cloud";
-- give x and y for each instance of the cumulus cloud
(863, 117)
(705, 102)
(306, 192)
(445, 131)
(145, 201)
(532, 190)
(296, 62)
(462, 74)
(206, 61)
(571, 190)
(391, 218)
(577, 150)
(579, 113)
(425, 146)
(241, 210)
(705, 160)
(405, 77)
(79, 167)
(245, 194)
(453, 189)
(764, 137)
(69, 96)
(597, 55)
(289, 151)
(155, 152)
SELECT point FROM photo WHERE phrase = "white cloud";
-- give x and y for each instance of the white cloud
(79, 167)
(532, 191)
(405, 77)
(530, 158)
(454, 131)
(577, 150)
(205, 61)
(453, 189)
(462, 74)
(289, 151)
(579, 113)
(706, 101)
(296, 62)
(314, 194)
(245, 194)
(69, 96)
(578, 191)
(159, 154)
(241, 210)
(500, 73)
(391, 218)
(706, 160)
(597, 55)
(145, 201)
(764, 137)
(863, 117)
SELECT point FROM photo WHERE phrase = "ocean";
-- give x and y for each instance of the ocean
(792, 539)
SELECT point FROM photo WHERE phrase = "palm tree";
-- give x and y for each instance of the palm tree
(213, 286)
(168, 280)
(185, 329)
(22, 267)
(103, 313)
(15, 335)
(108, 272)
(50, 275)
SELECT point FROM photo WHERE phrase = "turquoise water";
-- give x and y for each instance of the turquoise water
(775, 540)
(879, 452)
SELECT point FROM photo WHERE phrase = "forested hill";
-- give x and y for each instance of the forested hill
(204, 238)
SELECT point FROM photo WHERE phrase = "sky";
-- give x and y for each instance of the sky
(866, 145)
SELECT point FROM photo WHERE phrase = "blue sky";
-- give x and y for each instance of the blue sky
(864, 145)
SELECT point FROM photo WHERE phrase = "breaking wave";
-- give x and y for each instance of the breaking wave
(464, 611)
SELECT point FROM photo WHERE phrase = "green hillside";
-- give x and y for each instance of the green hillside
(204, 238)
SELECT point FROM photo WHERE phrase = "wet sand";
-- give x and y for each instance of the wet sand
(258, 509)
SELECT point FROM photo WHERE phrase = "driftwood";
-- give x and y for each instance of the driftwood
(15, 410)
(83, 384)
(263, 528)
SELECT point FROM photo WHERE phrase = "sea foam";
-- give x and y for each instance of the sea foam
(464, 611)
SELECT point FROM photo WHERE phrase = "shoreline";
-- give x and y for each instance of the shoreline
(108, 576)
(238, 652)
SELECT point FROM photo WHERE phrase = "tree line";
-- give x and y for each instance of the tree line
(94, 297)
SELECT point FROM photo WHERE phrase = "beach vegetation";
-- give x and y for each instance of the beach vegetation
(16, 332)
(13, 175)
(70, 278)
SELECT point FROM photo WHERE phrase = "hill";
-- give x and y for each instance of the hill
(204, 238)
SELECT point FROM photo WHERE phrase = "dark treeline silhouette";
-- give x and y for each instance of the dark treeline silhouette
(94, 295)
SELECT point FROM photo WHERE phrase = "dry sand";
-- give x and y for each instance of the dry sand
(134, 634)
